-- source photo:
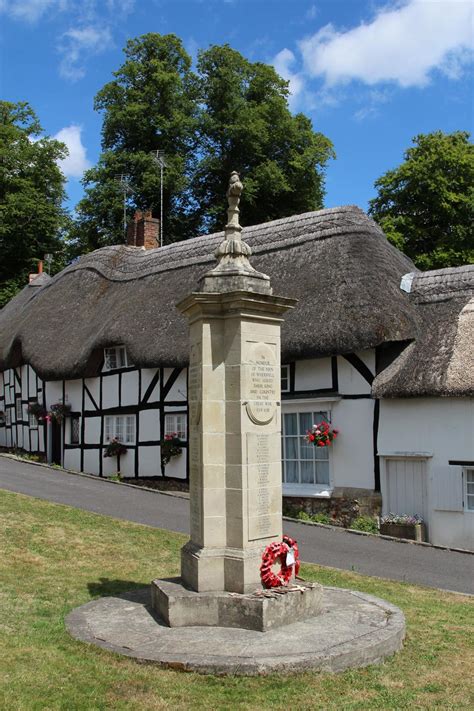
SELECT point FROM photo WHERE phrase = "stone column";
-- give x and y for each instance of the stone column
(235, 422)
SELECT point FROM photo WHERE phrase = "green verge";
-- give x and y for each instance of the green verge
(54, 558)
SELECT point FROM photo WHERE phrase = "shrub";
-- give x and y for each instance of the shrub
(365, 523)
(315, 518)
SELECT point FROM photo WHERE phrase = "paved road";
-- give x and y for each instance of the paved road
(336, 548)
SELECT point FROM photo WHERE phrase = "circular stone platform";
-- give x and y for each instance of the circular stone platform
(352, 630)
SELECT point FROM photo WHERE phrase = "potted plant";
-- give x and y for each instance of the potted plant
(408, 526)
(170, 447)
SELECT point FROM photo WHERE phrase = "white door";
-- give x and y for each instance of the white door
(405, 484)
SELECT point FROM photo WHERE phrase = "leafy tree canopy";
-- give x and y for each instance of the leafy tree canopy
(426, 205)
(230, 115)
(31, 195)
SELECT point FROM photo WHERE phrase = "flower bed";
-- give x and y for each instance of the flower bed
(411, 528)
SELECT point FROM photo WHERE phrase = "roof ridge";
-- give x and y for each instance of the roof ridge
(138, 263)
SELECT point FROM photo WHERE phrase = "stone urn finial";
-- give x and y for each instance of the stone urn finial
(234, 271)
(234, 191)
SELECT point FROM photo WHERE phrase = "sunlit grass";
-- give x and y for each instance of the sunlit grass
(54, 558)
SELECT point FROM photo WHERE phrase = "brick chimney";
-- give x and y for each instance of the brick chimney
(32, 277)
(143, 230)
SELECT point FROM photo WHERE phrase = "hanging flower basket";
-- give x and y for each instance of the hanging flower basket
(115, 448)
(38, 411)
(170, 447)
(321, 434)
(59, 411)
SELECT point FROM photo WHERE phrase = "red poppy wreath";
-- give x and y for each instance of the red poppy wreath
(286, 553)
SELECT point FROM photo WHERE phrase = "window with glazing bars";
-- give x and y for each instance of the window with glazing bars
(303, 463)
(115, 358)
(469, 491)
(175, 424)
(121, 427)
(75, 429)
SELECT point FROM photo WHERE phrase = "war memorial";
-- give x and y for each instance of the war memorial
(239, 607)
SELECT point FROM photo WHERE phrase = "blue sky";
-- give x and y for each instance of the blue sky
(370, 74)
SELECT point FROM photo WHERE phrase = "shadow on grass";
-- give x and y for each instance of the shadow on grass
(127, 589)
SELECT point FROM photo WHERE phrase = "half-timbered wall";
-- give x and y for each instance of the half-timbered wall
(338, 386)
(18, 388)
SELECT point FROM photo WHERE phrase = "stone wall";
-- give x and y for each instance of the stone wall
(345, 505)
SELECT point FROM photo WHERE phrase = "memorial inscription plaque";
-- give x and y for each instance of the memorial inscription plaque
(262, 371)
(262, 519)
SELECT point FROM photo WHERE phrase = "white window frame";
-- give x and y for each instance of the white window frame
(176, 423)
(299, 488)
(285, 375)
(116, 358)
(121, 427)
(18, 410)
(468, 477)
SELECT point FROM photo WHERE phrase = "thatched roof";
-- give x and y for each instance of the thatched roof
(337, 262)
(441, 360)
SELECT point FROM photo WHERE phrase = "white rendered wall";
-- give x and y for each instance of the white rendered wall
(351, 382)
(351, 460)
(314, 374)
(444, 429)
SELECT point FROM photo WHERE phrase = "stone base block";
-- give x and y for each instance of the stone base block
(207, 569)
(260, 611)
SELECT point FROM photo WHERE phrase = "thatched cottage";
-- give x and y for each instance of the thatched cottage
(370, 343)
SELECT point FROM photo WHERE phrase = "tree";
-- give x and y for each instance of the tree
(426, 205)
(231, 115)
(150, 105)
(246, 125)
(31, 196)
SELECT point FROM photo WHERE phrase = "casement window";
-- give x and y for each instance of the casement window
(121, 427)
(116, 358)
(303, 463)
(32, 421)
(175, 424)
(75, 429)
(18, 410)
(469, 489)
(285, 378)
(8, 416)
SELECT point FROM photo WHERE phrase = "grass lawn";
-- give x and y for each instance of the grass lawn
(54, 558)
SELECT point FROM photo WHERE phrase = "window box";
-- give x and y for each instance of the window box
(409, 531)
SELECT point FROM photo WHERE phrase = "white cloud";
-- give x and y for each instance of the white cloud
(30, 10)
(77, 45)
(403, 44)
(312, 12)
(74, 165)
(282, 63)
